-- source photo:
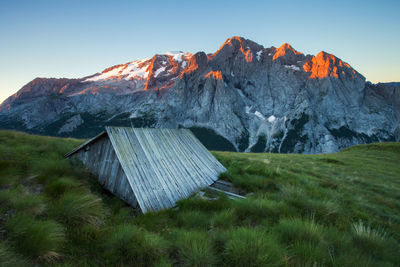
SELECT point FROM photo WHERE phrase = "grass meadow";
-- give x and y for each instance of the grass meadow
(340, 209)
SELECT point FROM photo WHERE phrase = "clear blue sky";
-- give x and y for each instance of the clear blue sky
(78, 38)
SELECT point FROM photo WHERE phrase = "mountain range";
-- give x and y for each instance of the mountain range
(243, 97)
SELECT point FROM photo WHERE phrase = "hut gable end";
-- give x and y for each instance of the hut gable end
(100, 159)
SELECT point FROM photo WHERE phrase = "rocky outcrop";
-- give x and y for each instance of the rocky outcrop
(71, 124)
(244, 96)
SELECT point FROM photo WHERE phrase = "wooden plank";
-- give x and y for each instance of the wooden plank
(130, 164)
(229, 194)
(168, 167)
(157, 179)
(222, 185)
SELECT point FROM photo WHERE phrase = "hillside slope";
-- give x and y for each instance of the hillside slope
(340, 209)
(253, 98)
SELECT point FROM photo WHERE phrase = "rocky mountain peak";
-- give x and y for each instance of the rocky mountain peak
(197, 61)
(161, 69)
(285, 50)
(243, 97)
(327, 65)
(237, 45)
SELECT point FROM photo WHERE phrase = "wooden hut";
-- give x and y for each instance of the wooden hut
(150, 169)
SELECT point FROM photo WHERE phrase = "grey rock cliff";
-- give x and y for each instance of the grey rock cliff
(244, 95)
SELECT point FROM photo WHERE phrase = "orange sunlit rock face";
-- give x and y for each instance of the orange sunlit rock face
(191, 66)
(161, 69)
(94, 90)
(150, 69)
(111, 68)
(196, 61)
(248, 55)
(217, 75)
(63, 89)
(236, 41)
(173, 66)
(166, 86)
(326, 65)
(285, 49)
(229, 42)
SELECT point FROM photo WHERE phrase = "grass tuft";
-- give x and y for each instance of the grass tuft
(292, 230)
(374, 241)
(18, 199)
(60, 186)
(198, 203)
(193, 219)
(253, 247)
(51, 168)
(365, 231)
(75, 209)
(298, 212)
(223, 220)
(255, 210)
(193, 248)
(129, 245)
(36, 239)
(10, 258)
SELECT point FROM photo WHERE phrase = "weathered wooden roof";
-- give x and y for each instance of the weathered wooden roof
(85, 144)
(162, 165)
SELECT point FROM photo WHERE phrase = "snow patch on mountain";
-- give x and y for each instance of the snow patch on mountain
(135, 69)
(258, 114)
(178, 55)
(271, 118)
(159, 71)
(324, 106)
(258, 55)
(292, 67)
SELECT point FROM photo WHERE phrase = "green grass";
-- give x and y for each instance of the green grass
(76, 209)
(253, 247)
(39, 240)
(8, 257)
(340, 209)
(193, 248)
(129, 245)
